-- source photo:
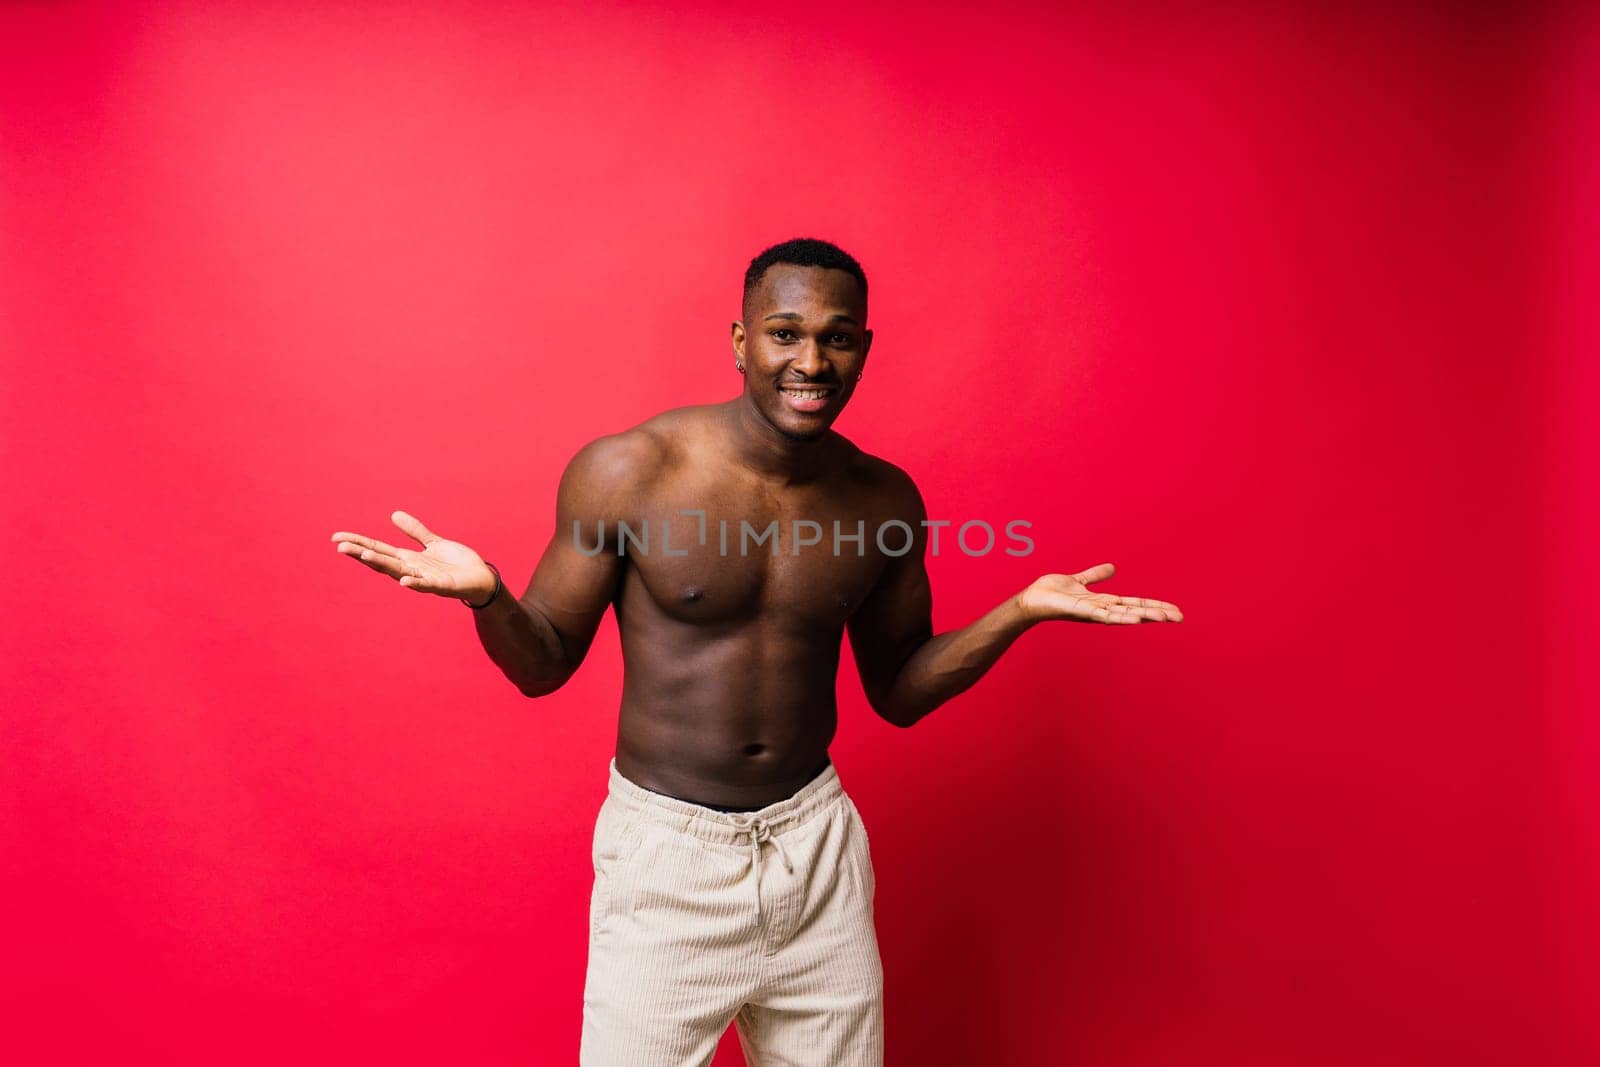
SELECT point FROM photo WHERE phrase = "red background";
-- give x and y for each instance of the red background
(1282, 309)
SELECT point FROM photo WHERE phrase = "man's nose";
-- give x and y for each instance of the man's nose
(809, 360)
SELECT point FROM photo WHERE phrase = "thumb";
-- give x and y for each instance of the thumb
(413, 527)
(1098, 573)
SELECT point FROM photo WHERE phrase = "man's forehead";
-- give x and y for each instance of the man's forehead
(824, 290)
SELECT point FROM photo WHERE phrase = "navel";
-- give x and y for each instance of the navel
(693, 593)
(754, 748)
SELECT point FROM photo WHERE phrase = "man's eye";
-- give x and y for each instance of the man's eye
(839, 339)
(782, 334)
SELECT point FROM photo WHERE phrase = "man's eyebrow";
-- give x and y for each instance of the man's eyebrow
(795, 316)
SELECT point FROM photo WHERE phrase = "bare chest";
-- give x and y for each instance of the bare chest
(706, 552)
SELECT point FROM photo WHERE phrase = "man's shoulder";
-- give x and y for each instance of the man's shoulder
(629, 459)
(674, 429)
(617, 458)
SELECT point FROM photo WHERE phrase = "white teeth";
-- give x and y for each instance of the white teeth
(807, 394)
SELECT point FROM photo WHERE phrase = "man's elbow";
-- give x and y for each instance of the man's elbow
(552, 671)
(897, 714)
(539, 687)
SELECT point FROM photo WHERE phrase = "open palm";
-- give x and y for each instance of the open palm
(441, 567)
(1067, 596)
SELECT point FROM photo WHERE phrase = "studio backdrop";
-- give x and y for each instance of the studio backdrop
(1280, 308)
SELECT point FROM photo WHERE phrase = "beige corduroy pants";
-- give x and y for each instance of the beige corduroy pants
(702, 917)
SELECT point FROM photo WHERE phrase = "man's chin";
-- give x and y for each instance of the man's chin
(803, 429)
(798, 427)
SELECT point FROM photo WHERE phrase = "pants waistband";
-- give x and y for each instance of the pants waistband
(728, 827)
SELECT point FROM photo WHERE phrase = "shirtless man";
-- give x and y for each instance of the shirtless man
(732, 876)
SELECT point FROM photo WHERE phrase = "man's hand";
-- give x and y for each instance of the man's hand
(444, 568)
(1067, 596)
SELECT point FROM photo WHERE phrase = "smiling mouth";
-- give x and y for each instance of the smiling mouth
(807, 392)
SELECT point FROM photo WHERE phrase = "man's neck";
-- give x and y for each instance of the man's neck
(760, 448)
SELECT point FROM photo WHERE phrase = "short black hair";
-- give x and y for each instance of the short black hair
(805, 252)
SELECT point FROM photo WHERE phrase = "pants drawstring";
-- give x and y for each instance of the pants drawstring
(760, 831)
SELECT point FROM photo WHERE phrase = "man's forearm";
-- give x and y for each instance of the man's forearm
(523, 644)
(952, 662)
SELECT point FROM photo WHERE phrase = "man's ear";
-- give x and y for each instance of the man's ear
(866, 346)
(737, 331)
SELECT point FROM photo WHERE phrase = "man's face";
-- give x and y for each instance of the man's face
(803, 341)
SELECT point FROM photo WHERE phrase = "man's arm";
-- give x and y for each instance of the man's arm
(540, 639)
(907, 672)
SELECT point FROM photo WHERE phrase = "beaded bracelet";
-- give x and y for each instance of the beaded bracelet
(497, 587)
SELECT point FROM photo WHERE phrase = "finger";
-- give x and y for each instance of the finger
(378, 561)
(1098, 573)
(371, 562)
(1112, 615)
(413, 527)
(406, 578)
(1146, 602)
(350, 548)
(1159, 610)
(372, 543)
